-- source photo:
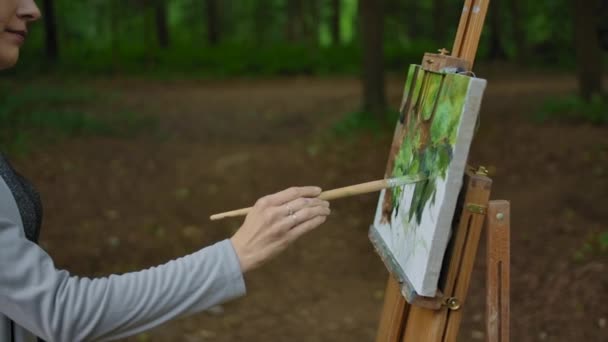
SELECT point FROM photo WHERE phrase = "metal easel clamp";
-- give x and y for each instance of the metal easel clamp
(482, 171)
(452, 303)
(476, 208)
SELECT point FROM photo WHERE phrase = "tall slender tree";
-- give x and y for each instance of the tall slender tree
(497, 50)
(295, 20)
(261, 21)
(212, 15)
(162, 26)
(312, 21)
(518, 19)
(412, 10)
(336, 14)
(371, 14)
(440, 22)
(50, 26)
(588, 52)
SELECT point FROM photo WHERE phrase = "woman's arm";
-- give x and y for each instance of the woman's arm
(59, 307)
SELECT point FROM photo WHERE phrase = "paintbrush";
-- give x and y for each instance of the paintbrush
(348, 191)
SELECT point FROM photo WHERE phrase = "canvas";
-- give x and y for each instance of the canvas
(433, 136)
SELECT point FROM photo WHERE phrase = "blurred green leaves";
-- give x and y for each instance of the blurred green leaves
(225, 60)
(574, 109)
(362, 122)
(595, 244)
(38, 114)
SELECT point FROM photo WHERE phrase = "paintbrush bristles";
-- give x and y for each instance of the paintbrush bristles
(347, 191)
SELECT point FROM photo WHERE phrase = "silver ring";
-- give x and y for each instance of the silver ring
(290, 211)
(294, 217)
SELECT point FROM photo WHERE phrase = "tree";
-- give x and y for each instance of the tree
(371, 14)
(162, 27)
(497, 50)
(312, 21)
(519, 37)
(261, 21)
(295, 20)
(50, 26)
(336, 13)
(440, 21)
(212, 15)
(588, 52)
(602, 30)
(414, 22)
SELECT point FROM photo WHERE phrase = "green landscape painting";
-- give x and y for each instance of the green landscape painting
(433, 136)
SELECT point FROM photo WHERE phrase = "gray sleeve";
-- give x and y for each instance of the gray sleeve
(59, 307)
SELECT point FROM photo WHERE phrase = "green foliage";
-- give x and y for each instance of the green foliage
(41, 114)
(427, 146)
(361, 121)
(117, 36)
(575, 109)
(354, 125)
(596, 244)
(225, 60)
(603, 242)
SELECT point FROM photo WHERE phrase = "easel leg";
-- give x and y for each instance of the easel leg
(394, 313)
(498, 271)
(402, 322)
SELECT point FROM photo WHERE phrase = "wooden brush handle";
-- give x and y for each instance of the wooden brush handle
(233, 213)
(347, 191)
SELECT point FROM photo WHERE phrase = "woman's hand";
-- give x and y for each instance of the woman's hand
(275, 222)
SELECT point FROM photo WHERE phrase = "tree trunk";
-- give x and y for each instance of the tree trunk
(412, 12)
(115, 15)
(213, 21)
(50, 26)
(162, 27)
(602, 30)
(518, 20)
(371, 14)
(440, 21)
(588, 52)
(497, 51)
(294, 20)
(312, 21)
(261, 21)
(336, 13)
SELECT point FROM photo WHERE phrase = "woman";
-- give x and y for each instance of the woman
(38, 300)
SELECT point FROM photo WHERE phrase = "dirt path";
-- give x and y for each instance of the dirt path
(124, 204)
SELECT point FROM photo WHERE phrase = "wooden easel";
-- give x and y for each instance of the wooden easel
(438, 319)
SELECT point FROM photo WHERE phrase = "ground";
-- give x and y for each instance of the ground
(122, 204)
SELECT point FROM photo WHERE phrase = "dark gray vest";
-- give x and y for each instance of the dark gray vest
(28, 202)
(27, 198)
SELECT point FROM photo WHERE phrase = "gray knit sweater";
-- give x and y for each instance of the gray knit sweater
(36, 299)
